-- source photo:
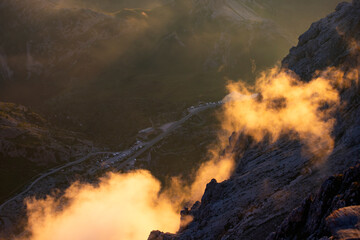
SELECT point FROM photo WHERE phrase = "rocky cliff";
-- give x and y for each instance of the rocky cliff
(271, 179)
(333, 213)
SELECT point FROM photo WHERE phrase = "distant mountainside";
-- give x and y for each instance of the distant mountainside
(271, 179)
(92, 70)
(110, 5)
(30, 145)
(237, 11)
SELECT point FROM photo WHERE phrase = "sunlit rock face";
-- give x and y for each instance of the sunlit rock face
(272, 178)
(344, 223)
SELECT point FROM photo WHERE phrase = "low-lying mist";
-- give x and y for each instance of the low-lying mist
(284, 105)
(130, 205)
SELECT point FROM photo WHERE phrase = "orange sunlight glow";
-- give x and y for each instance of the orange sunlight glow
(284, 105)
(124, 206)
(131, 205)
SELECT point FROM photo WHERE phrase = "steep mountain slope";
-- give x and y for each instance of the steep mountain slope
(331, 41)
(273, 178)
(333, 213)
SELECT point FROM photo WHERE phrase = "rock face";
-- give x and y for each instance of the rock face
(327, 42)
(333, 212)
(344, 223)
(271, 179)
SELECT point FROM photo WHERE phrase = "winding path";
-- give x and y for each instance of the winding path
(147, 146)
(175, 125)
(52, 171)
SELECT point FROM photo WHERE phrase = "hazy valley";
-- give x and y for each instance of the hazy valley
(90, 87)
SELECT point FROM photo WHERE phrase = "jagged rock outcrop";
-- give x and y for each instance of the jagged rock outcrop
(333, 212)
(271, 179)
(344, 223)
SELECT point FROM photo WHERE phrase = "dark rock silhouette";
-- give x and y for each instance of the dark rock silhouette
(328, 213)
